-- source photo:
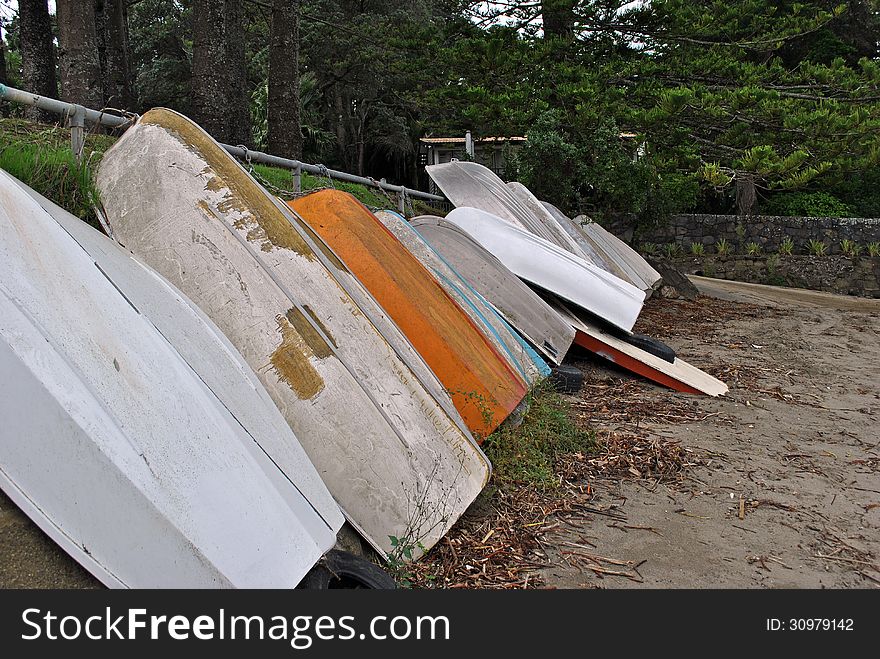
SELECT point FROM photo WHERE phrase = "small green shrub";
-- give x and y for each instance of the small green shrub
(850, 248)
(817, 247)
(722, 247)
(671, 250)
(649, 249)
(753, 249)
(786, 247)
(874, 250)
(697, 249)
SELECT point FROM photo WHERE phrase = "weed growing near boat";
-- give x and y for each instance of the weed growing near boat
(649, 249)
(527, 454)
(697, 249)
(722, 247)
(40, 157)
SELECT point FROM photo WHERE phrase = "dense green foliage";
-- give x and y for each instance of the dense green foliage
(808, 204)
(724, 106)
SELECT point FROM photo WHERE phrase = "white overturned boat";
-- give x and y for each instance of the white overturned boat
(598, 255)
(513, 299)
(126, 452)
(582, 244)
(553, 269)
(470, 184)
(505, 339)
(364, 406)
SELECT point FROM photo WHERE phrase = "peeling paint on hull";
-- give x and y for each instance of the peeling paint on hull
(396, 461)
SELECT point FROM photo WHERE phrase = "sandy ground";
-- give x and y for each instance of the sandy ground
(795, 441)
(783, 491)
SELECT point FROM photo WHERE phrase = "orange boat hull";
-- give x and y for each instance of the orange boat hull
(484, 389)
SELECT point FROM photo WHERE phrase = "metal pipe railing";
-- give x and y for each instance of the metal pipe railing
(77, 116)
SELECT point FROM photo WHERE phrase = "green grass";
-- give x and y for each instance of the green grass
(527, 454)
(281, 183)
(39, 155)
(56, 175)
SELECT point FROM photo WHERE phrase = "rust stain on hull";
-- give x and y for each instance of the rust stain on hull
(483, 386)
(308, 332)
(291, 362)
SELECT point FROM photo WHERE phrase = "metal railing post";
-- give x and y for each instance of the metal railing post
(76, 120)
(297, 178)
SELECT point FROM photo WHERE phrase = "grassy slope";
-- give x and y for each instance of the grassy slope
(39, 155)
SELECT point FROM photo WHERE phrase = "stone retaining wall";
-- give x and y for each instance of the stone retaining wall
(765, 230)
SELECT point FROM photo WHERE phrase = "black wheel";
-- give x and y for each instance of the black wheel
(567, 379)
(340, 569)
(652, 345)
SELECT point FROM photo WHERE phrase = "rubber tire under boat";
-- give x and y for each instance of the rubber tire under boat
(341, 569)
(567, 379)
(652, 345)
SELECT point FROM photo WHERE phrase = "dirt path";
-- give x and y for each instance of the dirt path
(796, 440)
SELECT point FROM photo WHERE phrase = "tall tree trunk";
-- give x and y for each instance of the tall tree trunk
(241, 131)
(37, 53)
(341, 129)
(285, 131)
(3, 77)
(111, 18)
(81, 79)
(219, 87)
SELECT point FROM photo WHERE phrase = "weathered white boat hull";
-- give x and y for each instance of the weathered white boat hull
(608, 261)
(512, 298)
(552, 268)
(472, 185)
(614, 245)
(395, 460)
(113, 444)
(207, 351)
(517, 352)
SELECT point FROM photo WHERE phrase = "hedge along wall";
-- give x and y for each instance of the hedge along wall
(765, 230)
